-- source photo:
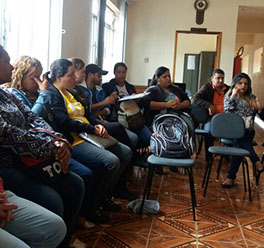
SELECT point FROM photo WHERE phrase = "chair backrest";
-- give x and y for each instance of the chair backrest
(199, 113)
(228, 126)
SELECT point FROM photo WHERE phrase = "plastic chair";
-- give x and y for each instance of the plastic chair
(202, 117)
(227, 142)
(187, 164)
(232, 127)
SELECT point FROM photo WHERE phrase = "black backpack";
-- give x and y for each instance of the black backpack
(174, 136)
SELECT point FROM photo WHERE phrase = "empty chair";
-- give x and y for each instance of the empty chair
(187, 164)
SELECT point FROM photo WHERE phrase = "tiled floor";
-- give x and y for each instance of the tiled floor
(225, 218)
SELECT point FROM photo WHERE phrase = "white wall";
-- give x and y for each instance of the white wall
(151, 32)
(192, 43)
(77, 20)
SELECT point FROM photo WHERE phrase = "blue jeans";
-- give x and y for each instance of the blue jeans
(35, 225)
(132, 137)
(64, 197)
(94, 174)
(144, 135)
(245, 143)
(116, 159)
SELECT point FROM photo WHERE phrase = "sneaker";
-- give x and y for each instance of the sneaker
(125, 194)
(98, 216)
(109, 205)
(228, 183)
(78, 244)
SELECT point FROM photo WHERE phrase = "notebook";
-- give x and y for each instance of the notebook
(99, 141)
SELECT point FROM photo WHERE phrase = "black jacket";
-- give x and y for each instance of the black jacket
(205, 95)
(64, 123)
(110, 87)
(158, 95)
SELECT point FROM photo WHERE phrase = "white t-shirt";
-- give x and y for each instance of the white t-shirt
(122, 91)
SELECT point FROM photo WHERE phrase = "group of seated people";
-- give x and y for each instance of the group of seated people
(91, 176)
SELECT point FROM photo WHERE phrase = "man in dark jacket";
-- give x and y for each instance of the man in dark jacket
(211, 97)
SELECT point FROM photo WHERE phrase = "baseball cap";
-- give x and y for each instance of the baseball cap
(93, 68)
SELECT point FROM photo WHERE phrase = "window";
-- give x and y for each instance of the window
(33, 28)
(114, 28)
(94, 34)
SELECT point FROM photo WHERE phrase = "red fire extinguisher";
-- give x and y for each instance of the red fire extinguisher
(238, 61)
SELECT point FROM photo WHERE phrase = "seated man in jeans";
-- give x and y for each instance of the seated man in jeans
(21, 219)
(211, 97)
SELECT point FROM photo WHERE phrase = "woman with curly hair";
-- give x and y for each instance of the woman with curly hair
(35, 93)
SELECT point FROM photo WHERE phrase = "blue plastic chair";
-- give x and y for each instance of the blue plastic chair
(231, 127)
(187, 164)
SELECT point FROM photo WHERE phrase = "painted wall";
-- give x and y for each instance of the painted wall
(77, 20)
(151, 32)
(192, 43)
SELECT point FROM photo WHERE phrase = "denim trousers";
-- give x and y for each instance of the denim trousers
(245, 143)
(94, 174)
(34, 226)
(64, 197)
(115, 158)
(144, 135)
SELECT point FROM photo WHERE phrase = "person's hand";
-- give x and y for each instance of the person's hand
(101, 131)
(44, 83)
(211, 110)
(177, 106)
(254, 103)
(235, 92)
(109, 100)
(169, 104)
(62, 154)
(6, 210)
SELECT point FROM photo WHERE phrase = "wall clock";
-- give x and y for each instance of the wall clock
(200, 6)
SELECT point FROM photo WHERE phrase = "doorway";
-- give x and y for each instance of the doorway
(196, 55)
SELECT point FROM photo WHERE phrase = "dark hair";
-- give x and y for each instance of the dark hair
(120, 64)
(1, 50)
(58, 68)
(218, 71)
(160, 71)
(237, 79)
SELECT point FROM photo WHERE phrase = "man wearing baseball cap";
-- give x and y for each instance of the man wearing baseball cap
(100, 105)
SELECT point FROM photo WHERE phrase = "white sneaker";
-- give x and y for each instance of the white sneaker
(78, 244)
(88, 224)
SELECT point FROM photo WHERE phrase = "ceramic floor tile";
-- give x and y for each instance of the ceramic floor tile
(228, 238)
(225, 217)
(255, 236)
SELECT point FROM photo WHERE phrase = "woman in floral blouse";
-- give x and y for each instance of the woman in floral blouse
(241, 101)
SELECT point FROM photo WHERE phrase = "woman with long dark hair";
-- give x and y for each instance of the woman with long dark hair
(241, 101)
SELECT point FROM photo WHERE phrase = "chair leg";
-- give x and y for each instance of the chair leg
(193, 197)
(248, 179)
(200, 145)
(206, 169)
(219, 167)
(208, 176)
(150, 182)
(148, 185)
(244, 176)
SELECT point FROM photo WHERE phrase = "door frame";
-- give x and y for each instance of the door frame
(218, 47)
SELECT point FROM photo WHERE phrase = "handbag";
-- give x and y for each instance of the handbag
(48, 170)
(129, 114)
(99, 141)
